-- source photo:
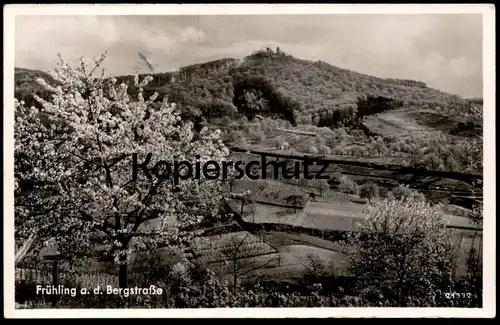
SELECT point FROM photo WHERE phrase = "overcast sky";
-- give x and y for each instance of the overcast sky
(445, 51)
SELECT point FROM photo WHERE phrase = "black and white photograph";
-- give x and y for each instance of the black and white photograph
(269, 159)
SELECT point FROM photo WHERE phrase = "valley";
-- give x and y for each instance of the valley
(385, 133)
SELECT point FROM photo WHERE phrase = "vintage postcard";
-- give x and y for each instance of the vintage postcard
(251, 161)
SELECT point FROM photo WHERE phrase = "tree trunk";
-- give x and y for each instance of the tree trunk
(55, 282)
(123, 276)
(235, 283)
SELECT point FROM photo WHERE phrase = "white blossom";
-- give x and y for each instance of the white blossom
(82, 165)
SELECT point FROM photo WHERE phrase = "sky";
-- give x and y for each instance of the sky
(443, 50)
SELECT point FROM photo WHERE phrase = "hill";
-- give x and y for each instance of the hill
(356, 114)
(272, 83)
(25, 85)
(373, 132)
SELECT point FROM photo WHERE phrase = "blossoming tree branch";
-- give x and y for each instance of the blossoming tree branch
(72, 170)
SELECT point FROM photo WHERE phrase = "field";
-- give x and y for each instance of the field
(294, 250)
(242, 240)
(270, 191)
(334, 211)
(321, 215)
(243, 185)
(292, 262)
(276, 193)
(285, 255)
(326, 216)
(420, 122)
(266, 213)
(397, 123)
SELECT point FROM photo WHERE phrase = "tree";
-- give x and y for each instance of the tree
(477, 214)
(81, 168)
(226, 120)
(357, 152)
(294, 200)
(253, 208)
(230, 180)
(303, 183)
(245, 198)
(433, 161)
(339, 150)
(406, 242)
(402, 192)
(324, 186)
(369, 190)
(235, 136)
(348, 186)
(451, 163)
(316, 268)
(323, 149)
(239, 254)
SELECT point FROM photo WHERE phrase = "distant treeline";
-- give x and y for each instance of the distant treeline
(478, 101)
(406, 82)
(365, 106)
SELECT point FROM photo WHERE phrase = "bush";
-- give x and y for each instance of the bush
(348, 186)
(406, 241)
(369, 190)
(402, 192)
